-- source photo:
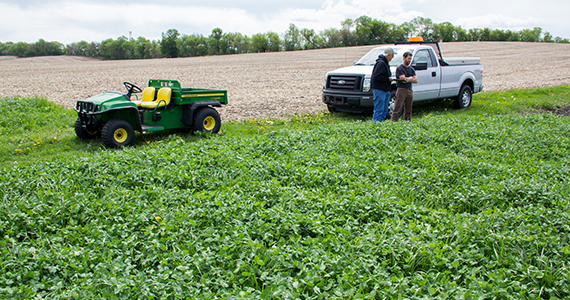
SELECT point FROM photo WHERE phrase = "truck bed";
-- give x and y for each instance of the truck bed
(453, 61)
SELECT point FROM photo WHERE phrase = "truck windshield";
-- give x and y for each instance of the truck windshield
(369, 59)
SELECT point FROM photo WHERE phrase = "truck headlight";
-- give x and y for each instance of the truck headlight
(366, 84)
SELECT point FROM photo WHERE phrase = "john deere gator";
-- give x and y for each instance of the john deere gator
(114, 116)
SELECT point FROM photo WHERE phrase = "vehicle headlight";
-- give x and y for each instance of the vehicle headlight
(366, 84)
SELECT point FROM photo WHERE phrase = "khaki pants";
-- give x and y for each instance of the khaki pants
(403, 97)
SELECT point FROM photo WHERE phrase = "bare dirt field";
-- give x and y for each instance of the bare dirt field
(276, 84)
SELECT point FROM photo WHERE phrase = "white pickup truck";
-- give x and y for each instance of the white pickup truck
(348, 89)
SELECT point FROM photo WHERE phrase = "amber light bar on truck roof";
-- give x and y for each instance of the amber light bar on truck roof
(416, 39)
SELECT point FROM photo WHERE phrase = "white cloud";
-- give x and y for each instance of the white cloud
(69, 21)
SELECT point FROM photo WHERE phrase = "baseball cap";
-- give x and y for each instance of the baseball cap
(389, 51)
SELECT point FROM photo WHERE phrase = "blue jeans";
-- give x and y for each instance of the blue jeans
(381, 102)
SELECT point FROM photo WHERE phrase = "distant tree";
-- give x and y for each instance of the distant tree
(461, 34)
(274, 42)
(512, 36)
(142, 48)
(19, 49)
(155, 50)
(474, 34)
(531, 35)
(310, 39)
(292, 38)
(332, 37)
(497, 35)
(547, 38)
(240, 43)
(227, 43)
(5, 48)
(401, 32)
(445, 32)
(371, 31)
(79, 48)
(347, 32)
(194, 45)
(259, 43)
(422, 27)
(485, 34)
(215, 44)
(93, 50)
(168, 46)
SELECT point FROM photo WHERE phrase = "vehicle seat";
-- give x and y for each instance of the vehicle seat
(147, 96)
(162, 99)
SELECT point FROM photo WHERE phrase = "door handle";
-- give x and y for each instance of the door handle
(433, 74)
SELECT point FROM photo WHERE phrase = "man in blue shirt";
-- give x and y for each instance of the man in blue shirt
(380, 83)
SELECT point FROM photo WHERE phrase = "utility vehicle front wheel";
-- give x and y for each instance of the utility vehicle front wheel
(84, 134)
(207, 119)
(117, 133)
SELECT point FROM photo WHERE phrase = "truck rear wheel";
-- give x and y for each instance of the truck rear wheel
(84, 134)
(117, 133)
(463, 100)
(208, 120)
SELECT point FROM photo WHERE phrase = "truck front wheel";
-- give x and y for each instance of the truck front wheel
(207, 119)
(463, 100)
(84, 134)
(117, 133)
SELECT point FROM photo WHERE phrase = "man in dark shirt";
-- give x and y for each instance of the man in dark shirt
(380, 83)
(404, 94)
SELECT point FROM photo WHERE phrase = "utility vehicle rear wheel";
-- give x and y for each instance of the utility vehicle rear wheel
(84, 134)
(207, 119)
(117, 133)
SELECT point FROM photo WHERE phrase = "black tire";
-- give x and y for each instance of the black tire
(117, 133)
(392, 105)
(331, 109)
(208, 120)
(463, 100)
(84, 134)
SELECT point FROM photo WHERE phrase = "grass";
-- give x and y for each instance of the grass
(469, 204)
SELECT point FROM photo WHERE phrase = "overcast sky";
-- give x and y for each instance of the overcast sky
(69, 21)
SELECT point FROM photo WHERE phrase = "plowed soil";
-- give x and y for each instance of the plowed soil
(276, 84)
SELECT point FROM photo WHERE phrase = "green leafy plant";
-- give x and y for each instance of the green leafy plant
(450, 205)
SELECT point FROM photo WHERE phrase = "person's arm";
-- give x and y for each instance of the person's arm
(412, 79)
(400, 74)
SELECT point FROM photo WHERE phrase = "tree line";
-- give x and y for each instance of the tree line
(361, 31)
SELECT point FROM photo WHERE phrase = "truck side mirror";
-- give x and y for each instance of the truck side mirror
(420, 66)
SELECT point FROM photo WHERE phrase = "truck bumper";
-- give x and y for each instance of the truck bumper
(349, 103)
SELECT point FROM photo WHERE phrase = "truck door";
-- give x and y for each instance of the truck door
(428, 80)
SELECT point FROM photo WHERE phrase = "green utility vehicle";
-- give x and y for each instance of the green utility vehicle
(114, 116)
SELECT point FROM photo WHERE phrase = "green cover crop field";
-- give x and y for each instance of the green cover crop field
(470, 204)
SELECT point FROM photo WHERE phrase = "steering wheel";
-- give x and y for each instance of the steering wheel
(131, 88)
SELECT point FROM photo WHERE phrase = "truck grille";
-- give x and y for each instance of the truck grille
(347, 83)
